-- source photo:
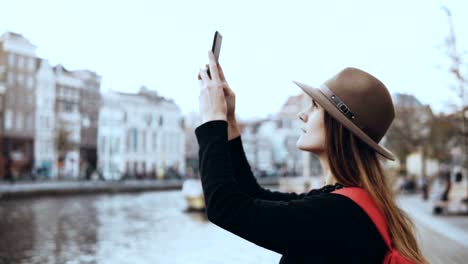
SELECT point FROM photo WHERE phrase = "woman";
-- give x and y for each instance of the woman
(348, 116)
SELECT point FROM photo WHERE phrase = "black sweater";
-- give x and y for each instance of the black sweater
(313, 227)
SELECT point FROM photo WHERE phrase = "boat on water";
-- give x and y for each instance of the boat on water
(193, 193)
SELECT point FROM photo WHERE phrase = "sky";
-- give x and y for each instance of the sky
(266, 44)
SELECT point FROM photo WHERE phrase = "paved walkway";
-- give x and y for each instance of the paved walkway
(444, 239)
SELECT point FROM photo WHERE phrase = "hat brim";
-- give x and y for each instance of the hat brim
(322, 100)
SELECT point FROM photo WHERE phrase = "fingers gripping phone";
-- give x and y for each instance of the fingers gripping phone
(216, 48)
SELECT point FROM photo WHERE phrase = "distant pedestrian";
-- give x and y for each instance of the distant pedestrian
(347, 117)
(8, 168)
(447, 185)
(458, 177)
(425, 188)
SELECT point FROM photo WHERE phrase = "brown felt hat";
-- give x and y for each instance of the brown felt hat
(360, 102)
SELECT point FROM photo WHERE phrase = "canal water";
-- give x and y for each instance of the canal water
(149, 227)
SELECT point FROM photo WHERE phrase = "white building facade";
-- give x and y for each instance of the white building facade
(44, 144)
(270, 144)
(140, 135)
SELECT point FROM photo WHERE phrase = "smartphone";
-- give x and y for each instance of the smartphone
(217, 40)
(216, 48)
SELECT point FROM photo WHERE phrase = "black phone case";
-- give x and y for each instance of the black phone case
(216, 48)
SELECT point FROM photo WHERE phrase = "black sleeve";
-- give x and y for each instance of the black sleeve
(286, 227)
(246, 180)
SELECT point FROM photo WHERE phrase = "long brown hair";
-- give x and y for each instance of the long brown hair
(353, 163)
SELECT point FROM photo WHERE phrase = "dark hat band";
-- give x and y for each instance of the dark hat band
(338, 103)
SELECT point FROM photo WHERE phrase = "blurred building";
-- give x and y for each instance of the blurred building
(77, 109)
(257, 146)
(192, 121)
(67, 102)
(47, 114)
(270, 143)
(17, 101)
(140, 135)
(409, 133)
(89, 105)
(299, 162)
(44, 137)
(415, 166)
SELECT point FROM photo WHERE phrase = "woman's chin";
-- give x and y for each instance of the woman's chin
(308, 147)
(300, 145)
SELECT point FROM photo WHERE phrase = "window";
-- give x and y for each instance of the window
(29, 82)
(117, 145)
(127, 140)
(68, 107)
(182, 123)
(154, 141)
(31, 64)
(143, 141)
(31, 120)
(11, 78)
(27, 124)
(148, 119)
(86, 121)
(20, 61)
(279, 123)
(161, 121)
(19, 120)
(127, 166)
(134, 139)
(20, 78)
(27, 62)
(51, 146)
(40, 122)
(8, 119)
(103, 145)
(11, 60)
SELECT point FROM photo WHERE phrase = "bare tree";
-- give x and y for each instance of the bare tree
(455, 69)
(411, 128)
(443, 133)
